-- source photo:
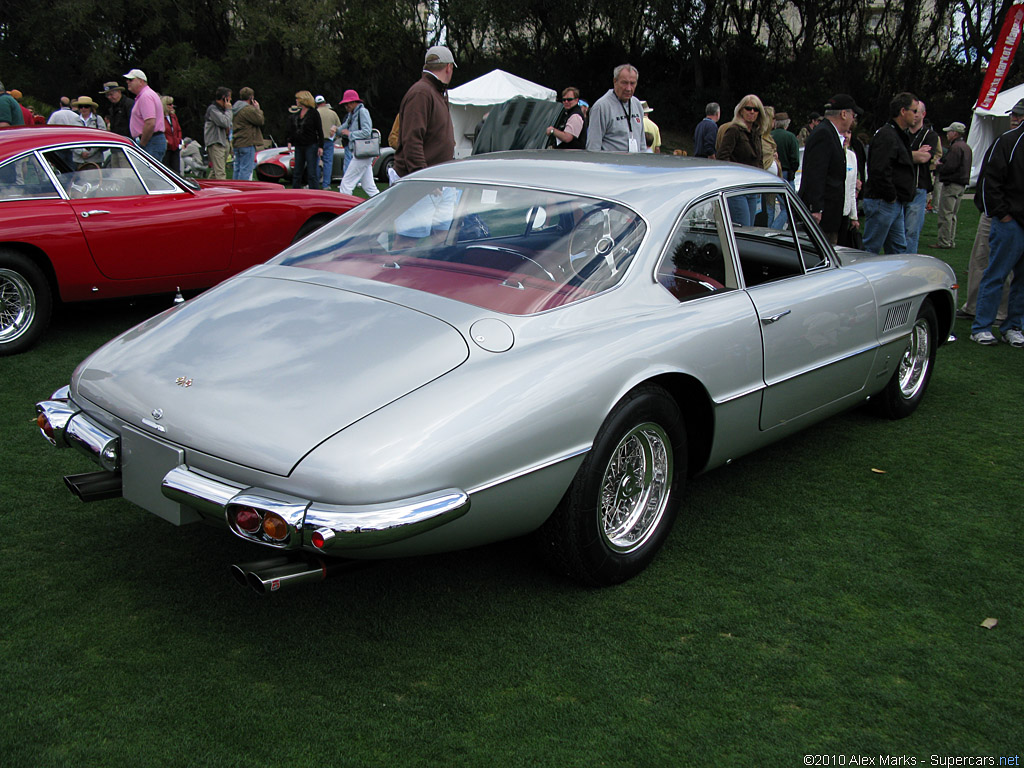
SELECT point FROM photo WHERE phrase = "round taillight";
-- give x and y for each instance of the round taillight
(44, 424)
(275, 527)
(318, 540)
(247, 519)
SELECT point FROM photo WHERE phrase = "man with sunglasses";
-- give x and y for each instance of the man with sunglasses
(570, 129)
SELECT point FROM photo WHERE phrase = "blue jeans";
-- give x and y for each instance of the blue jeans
(348, 157)
(157, 146)
(884, 226)
(913, 218)
(304, 172)
(1006, 254)
(245, 163)
(743, 209)
(328, 164)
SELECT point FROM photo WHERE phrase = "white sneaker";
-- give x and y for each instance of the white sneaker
(985, 338)
(1013, 337)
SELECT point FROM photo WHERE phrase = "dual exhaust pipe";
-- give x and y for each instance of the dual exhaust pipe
(262, 576)
(277, 573)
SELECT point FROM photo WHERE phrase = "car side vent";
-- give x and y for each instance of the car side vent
(897, 315)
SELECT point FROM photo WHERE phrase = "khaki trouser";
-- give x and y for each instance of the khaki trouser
(976, 268)
(949, 206)
(218, 160)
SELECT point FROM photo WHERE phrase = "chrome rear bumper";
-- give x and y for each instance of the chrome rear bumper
(312, 525)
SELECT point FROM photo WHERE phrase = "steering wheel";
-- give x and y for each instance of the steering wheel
(592, 239)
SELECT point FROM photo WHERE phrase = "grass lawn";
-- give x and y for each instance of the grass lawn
(804, 604)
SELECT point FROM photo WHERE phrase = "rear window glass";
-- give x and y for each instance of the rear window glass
(511, 250)
(24, 177)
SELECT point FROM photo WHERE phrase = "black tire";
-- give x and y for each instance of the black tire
(25, 303)
(623, 501)
(311, 226)
(904, 391)
(382, 172)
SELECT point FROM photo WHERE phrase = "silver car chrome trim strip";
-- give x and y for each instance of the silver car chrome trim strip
(829, 362)
(528, 470)
(94, 441)
(372, 525)
(198, 491)
(64, 393)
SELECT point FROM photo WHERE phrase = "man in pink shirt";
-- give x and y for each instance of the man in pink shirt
(147, 121)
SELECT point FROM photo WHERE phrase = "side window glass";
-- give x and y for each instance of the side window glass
(95, 172)
(696, 263)
(813, 256)
(765, 242)
(24, 177)
(153, 179)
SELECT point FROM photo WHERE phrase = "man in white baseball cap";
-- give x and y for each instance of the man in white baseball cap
(147, 122)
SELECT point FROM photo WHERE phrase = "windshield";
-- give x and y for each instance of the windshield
(506, 249)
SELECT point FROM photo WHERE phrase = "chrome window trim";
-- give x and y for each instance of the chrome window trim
(732, 256)
(60, 194)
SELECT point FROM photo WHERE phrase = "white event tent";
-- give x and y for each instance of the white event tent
(470, 102)
(988, 124)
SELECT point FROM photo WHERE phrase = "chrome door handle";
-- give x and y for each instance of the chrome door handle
(87, 214)
(774, 318)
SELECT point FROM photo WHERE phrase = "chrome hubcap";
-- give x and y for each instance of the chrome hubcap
(635, 487)
(916, 359)
(17, 305)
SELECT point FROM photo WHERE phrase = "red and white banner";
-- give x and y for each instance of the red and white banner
(1002, 57)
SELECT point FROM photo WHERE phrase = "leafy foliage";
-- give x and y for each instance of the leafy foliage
(794, 53)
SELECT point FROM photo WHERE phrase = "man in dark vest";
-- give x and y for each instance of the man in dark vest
(120, 107)
(570, 129)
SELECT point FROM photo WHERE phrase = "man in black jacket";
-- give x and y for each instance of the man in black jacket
(1000, 196)
(891, 180)
(823, 184)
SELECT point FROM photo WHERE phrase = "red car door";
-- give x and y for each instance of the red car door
(137, 233)
(157, 235)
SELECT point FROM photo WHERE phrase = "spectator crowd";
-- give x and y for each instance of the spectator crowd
(866, 192)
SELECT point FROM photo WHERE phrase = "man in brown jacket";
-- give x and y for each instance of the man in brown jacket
(426, 135)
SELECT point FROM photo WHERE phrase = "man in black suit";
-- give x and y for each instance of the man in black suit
(823, 184)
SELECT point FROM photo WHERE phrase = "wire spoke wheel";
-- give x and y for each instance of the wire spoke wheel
(17, 305)
(635, 487)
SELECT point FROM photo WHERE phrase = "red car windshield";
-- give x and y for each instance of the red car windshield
(507, 249)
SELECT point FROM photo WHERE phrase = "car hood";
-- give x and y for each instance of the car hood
(260, 370)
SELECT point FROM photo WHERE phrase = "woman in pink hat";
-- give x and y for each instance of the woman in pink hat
(357, 125)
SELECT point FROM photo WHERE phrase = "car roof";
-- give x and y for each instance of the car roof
(633, 178)
(14, 141)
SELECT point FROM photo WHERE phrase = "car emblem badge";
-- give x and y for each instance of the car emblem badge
(181, 381)
(157, 414)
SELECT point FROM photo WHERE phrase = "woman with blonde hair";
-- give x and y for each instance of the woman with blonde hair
(740, 142)
(306, 133)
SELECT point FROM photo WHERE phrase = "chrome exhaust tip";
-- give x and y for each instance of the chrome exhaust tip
(276, 573)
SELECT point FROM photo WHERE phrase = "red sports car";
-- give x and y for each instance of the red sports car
(86, 214)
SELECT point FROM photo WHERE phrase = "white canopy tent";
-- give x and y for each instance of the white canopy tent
(988, 124)
(470, 102)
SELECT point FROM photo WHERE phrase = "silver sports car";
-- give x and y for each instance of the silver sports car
(547, 342)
